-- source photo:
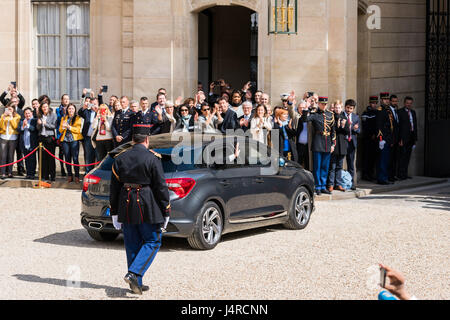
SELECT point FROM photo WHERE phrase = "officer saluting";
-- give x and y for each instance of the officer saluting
(139, 200)
(323, 143)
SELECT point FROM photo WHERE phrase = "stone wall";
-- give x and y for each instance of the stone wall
(397, 59)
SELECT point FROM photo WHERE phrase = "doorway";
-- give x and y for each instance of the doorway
(228, 46)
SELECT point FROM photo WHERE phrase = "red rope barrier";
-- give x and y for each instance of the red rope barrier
(11, 164)
(71, 164)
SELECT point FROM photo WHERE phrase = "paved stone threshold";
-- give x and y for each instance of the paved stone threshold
(364, 188)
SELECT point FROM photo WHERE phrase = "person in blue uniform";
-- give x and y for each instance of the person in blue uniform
(385, 135)
(140, 204)
(323, 142)
(121, 127)
(147, 116)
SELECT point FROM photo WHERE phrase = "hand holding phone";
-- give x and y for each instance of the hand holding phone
(382, 277)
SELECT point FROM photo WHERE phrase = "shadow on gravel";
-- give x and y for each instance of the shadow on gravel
(429, 202)
(80, 238)
(111, 292)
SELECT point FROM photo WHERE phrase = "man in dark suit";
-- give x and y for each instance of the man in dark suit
(230, 120)
(407, 136)
(246, 118)
(393, 164)
(353, 121)
(121, 128)
(29, 141)
(88, 112)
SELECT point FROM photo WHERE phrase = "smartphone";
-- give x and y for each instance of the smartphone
(310, 94)
(217, 83)
(14, 84)
(88, 90)
(105, 88)
(382, 277)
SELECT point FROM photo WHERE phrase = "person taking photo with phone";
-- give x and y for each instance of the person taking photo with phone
(9, 135)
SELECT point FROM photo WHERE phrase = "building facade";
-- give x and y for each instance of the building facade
(138, 46)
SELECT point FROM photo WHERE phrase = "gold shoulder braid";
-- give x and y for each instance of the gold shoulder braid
(123, 151)
(155, 153)
(327, 124)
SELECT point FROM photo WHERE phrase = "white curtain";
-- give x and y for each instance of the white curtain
(75, 48)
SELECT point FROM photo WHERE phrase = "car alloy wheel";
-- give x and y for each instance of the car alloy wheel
(211, 225)
(302, 208)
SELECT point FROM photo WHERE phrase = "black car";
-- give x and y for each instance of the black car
(211, 191)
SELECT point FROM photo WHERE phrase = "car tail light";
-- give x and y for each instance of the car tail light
(88, 180)
(181, 187)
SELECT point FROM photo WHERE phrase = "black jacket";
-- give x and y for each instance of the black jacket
(323, 129)
(33, 134)
(341, 135)
(385, 125)
(149, 204)
(243, 127)
(354, 132)
(86, 115)
(291, 135)
(405, 134)
(150, 118)
(5, 100)
(230, 121)
(180, 124)
(122, 125)
(369, 124)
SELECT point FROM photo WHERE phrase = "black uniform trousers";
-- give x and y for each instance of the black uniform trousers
(370, 155)
(350, 158)
(404, 157)
(393, 162)
(48, 162)
(303, 155)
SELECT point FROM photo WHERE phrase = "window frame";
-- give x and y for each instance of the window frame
(63, 36)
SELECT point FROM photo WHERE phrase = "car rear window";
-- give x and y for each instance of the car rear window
(167, 163)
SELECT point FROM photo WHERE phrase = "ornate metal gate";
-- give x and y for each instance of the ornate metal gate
(437, 97)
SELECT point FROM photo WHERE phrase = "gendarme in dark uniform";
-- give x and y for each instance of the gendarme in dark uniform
(122, 126)
(149, 117)
(385, 135)
(369, 136)
(323, 142)
(139, 200)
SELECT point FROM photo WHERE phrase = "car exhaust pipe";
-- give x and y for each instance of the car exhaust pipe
(95, 225)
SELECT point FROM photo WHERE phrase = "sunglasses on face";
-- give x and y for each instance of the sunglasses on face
(184, 110)
(206, 109)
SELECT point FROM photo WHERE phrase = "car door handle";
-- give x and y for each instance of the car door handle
(225, 183)
(259, 180)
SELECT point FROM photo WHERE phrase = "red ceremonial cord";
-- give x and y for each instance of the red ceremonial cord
(71, 164)
(11, 164)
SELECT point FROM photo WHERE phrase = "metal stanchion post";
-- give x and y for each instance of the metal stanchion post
(39, 185)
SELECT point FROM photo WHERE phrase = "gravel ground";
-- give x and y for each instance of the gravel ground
(335, 257)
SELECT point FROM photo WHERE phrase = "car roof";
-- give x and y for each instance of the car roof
(167, 141)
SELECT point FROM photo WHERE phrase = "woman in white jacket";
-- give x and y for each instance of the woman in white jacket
(102, 136)
(261, 124)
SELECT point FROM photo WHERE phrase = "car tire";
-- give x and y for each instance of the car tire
(208, 228)
(103, 236)
(300, 210)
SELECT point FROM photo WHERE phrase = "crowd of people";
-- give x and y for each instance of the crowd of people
(306, 124)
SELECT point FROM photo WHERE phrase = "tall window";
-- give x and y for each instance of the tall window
(62, 48)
